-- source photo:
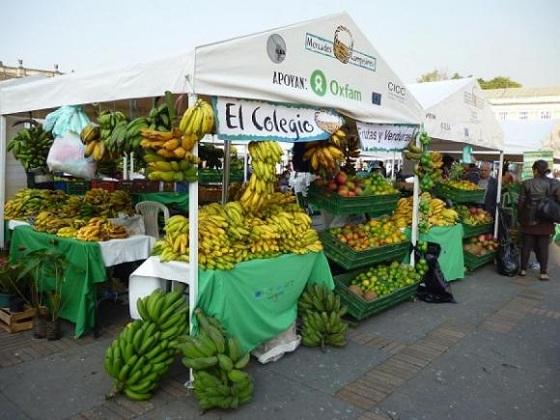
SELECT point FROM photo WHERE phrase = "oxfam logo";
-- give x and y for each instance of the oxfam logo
(319, 83)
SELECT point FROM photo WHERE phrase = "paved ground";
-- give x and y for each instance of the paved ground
(493, 355)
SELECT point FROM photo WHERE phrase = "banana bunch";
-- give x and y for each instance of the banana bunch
(175, 245)
(115, 231)
(94, 145)
(133, 136)
(264, 157)
(31, 145)
(198, 120)
(67, 232)
(402, 216)
(160, 169)
(214, 245)
(351, 148)
(433, 212)
(29, 202)
(323, 156)
(321, 311)
(71, 207)
(143, 352)
(120, 202)
(217, 361)
(161, 116)
(413, 152)
(47, 221)
(94, 231)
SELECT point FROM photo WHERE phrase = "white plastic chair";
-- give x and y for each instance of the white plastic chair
(150, 212)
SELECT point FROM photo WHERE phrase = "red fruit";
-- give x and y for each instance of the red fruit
(341, 178)
(351, 194)
(332, 186)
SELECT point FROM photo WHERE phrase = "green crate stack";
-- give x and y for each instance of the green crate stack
(472, 262)
(458, 196)
(333, 203)
(474, 230)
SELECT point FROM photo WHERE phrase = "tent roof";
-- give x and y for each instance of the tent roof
(457, 114)
(326, 62)
(531, 135)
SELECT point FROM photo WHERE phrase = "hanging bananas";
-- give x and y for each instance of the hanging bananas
(31, 146)
(198, 120)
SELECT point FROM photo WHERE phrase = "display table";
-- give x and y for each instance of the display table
(178, 200)
(451, 259)
(257, 300)
(87, 267)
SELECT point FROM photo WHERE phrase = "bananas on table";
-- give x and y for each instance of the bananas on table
(144, 350)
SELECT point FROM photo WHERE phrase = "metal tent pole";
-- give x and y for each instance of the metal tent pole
(245, 162)
(499, 193)
(415, 202)
(225, 177)
(3, 152)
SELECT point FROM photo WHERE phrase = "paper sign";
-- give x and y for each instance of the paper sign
(531, 157)
(239, 119)
(385, 137)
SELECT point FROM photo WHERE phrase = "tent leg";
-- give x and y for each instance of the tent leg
(3, 153)
(415, 203)
(245, 162)
(193, 241)
(225, 178)
(499, 193)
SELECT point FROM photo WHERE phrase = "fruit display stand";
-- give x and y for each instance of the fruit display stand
(457, 195)
(374, 205)
(88, 262)
(349, 259)
(361, 308)
(472, 262)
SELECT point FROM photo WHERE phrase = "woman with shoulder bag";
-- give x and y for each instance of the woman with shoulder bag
(536, 232)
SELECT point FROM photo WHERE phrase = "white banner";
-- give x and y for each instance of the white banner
(384, 137)
(239, 119)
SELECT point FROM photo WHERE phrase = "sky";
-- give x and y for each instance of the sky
(484, 38)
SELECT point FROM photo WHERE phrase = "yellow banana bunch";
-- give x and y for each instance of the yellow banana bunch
(67, 232)
(323, 156)
(198, 120)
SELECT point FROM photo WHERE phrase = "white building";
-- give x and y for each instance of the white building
(541, 103)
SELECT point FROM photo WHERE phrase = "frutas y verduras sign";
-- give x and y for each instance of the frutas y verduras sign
(385, 137)
(240, 119)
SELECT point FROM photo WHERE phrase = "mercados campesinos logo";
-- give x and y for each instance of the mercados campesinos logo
(276, 48)
(321, 86)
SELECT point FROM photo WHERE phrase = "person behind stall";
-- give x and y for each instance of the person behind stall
(471, 173)
(377, 168)
(536, 233)
(490, 185)
(446, 168)
(508, 177)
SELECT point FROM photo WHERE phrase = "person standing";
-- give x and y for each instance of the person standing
(536, 233)
(490, 185)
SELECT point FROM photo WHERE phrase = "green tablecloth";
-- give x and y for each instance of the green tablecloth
(257, 300)
(85, 268)
(451, 258)
(179, 200)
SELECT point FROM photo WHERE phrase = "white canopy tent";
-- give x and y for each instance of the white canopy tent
(326, 63)
(456, 115)
(530, 135)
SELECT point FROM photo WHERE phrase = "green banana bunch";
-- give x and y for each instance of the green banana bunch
(217, 361)
(162, 117)
(144, 350)
(31, 145)
(322, 313)
(133, 136)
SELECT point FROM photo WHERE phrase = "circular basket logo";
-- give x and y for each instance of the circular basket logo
(276, 48)
(343, 44)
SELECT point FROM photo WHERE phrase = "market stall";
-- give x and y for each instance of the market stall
(460, 121)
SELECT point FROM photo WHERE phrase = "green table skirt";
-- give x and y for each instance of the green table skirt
(451, 258)
(85, 269)
(257, 300)
(178, 200)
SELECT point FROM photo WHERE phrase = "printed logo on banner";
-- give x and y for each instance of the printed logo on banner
(321, 85)
(276, 48)
(445, 126)
(430, 116)
(340, 48)
(376, 98)
(240, 119)
(396, 92)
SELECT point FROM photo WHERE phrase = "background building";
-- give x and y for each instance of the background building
(7, 72)
(541, 103)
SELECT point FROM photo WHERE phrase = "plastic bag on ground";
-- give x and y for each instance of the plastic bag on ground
(67, 155)
(274, 349)
(434, 288)
(64, 119)
(507, 260)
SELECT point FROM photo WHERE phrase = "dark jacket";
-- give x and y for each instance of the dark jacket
(532, 192)
(491, 196)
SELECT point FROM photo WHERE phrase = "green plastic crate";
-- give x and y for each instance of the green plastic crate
(458, 196)
(77, 187)
(336, 204)
(349, 259)
(472, 262)
(206, 176)
(360, 308)
(472, 230)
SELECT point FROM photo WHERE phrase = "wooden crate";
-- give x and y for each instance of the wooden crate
(16, 322)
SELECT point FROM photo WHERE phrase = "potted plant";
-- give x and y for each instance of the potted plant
(11, 286)
(41, 265)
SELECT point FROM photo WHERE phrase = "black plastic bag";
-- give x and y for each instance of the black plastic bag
(434, 287)
(507, 260)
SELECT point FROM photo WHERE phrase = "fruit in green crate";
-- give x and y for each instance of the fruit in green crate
(474, 215)
(31, 145)
(462, 185)
(144, 350)
(481, 245)
(373, 234)
(321, 312)
(384, 279)
(218, 362)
